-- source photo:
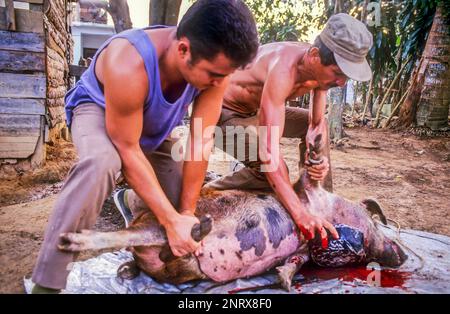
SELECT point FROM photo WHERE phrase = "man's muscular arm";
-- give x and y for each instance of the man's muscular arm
(126, 86)
(205, 114)
(278, 86)
(317, 125)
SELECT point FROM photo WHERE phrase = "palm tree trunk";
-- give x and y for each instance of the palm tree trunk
(427, 104)
(364, 11)
(164, 12)
(336, 107)
(120, 14)
(119, 11)
(336, 97)
(338, 6)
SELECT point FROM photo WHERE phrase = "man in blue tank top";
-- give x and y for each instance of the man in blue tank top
(122, 111)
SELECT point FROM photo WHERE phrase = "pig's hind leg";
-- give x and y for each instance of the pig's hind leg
(94, 240)
(291, 266)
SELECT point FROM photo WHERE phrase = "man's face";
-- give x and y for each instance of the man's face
(203, 73)
(326, 76)
(330, 76)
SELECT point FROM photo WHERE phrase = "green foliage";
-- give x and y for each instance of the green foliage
(285, 20)
(403, 31)
(404, 27)
(385, 42)
(415, 20)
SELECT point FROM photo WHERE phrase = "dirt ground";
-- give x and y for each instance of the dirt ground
(407, 174)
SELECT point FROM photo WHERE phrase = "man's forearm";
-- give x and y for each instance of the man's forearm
(317, 112)
(272, 118)
(317, 123)
(194, 172)
(142, 179)
(193, 178)
(279, 180)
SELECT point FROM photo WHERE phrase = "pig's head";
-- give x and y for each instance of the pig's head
(379, 247)
(354, 247)
(360, 241)
(387, 253)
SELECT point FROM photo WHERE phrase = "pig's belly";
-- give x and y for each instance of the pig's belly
(226, 258)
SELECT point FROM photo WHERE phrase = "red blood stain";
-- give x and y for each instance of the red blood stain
(295, 259)
(308, 236)
(388, 277)
(325, 243)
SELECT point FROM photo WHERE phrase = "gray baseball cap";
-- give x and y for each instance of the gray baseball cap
(350, 41)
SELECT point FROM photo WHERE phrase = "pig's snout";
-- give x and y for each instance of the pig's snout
(393, 255)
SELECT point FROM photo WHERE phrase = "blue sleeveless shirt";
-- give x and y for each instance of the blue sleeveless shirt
(160, 116)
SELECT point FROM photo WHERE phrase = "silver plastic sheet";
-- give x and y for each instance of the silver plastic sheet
(428, 265)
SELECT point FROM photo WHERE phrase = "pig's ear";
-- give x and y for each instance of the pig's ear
(374, 209)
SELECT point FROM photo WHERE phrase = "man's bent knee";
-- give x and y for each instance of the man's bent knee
(106, 163)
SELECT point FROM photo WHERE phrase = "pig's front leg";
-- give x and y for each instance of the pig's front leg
(291, 266)
(128, 270)
(93, 240)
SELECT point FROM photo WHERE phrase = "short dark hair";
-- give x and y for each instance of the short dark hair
(326, 55)
(214, 26)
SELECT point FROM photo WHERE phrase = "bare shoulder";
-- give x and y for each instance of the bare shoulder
(121, 70)
(121, 49)
(287, 54)
(121, 59)
(273, 57)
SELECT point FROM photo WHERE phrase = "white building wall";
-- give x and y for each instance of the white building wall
(89, 35)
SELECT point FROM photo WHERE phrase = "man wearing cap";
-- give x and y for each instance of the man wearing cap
(257, 96)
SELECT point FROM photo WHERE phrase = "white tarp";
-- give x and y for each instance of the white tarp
(428, 265)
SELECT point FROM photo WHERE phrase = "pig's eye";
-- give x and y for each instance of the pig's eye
(347, 250)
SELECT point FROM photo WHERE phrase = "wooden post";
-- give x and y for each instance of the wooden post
(377, 118)
(369, 94)
(355, 96)
(10, 16)
(397, 106)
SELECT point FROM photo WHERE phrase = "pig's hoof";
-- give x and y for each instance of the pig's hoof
(128, 270)
(75, 242)
(285, 277)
